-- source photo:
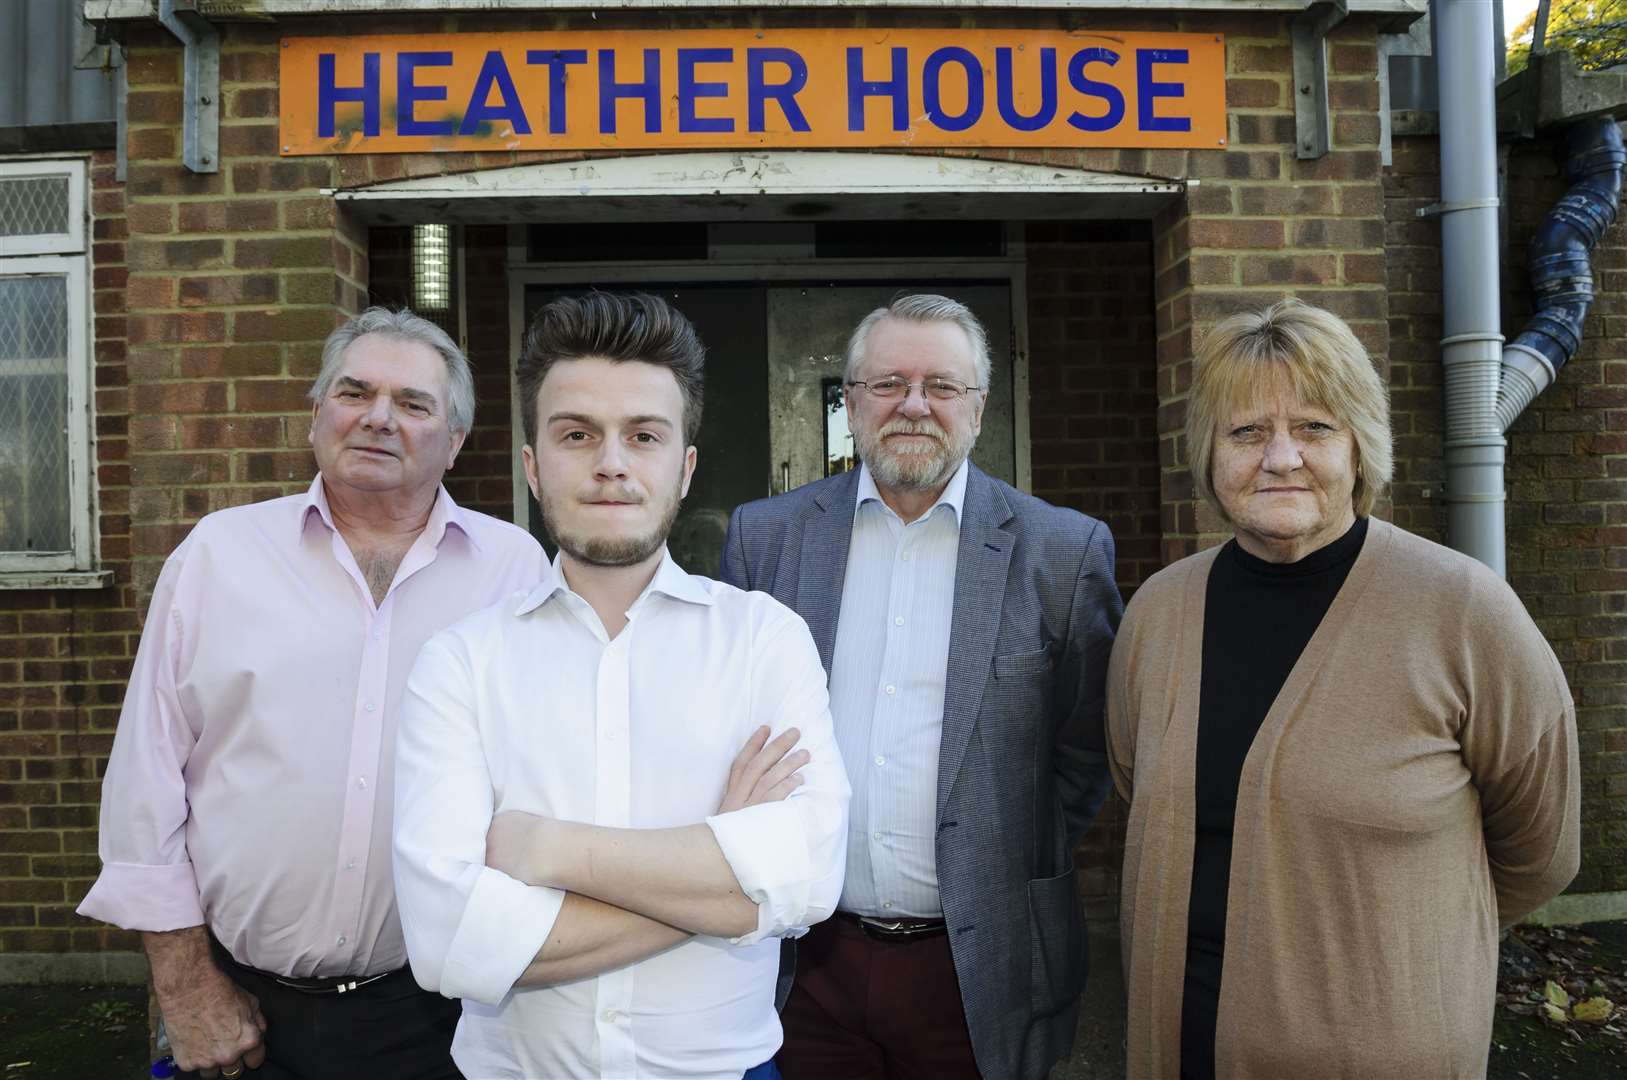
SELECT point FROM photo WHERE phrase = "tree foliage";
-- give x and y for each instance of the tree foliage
(1594, 30)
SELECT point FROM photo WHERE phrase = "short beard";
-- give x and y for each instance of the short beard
(921, 471)
(612, 550)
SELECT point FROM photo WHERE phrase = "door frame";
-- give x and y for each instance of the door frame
(1010, 268)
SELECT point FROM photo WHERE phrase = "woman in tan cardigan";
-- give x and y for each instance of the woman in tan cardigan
(1349, 754)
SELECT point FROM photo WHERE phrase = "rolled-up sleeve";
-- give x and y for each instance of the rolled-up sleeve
(147, 881)
(789, 856)
(471, 931)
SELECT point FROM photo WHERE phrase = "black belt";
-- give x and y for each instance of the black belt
(331, 984)
(339, 984)
(891, 929)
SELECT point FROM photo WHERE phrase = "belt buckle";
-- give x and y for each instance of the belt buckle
(896, 930)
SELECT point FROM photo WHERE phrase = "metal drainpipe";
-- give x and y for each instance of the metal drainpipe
(1472, 346)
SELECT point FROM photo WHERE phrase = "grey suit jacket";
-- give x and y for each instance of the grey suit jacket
(1021, 769)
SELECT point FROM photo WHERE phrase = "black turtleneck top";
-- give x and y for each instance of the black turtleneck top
(1258, 617)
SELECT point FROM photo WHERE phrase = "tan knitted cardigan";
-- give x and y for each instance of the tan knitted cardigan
(1413, 786)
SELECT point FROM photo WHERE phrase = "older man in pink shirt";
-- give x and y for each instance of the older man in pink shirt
(248, 799)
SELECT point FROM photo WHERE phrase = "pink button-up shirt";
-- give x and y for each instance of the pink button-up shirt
(251, 781)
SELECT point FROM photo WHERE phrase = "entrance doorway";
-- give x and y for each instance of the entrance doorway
(773, 417)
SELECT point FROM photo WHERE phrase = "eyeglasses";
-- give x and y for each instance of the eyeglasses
(892, 388)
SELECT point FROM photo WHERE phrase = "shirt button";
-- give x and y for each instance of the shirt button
(370, 707)
(880, 760)
(611, 1016)
(905, 556)
(876, 837)
(887, 904)
(898, 620)
(350, 864)
(890, 689)
(361, 782)
(341, 939)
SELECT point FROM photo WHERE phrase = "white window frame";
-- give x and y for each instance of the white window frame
(62, 255)
(49, 243)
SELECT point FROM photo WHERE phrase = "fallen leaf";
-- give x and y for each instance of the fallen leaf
(1595, 1010)
(1556, 995)
(1553, 1014)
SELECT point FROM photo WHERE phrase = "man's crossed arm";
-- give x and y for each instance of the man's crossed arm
(631, 893)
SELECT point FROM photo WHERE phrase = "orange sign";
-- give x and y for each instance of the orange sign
(690, 89)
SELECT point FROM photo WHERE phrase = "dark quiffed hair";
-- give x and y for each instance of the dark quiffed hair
(616, 327)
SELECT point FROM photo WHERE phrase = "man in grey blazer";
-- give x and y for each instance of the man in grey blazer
(966, 628)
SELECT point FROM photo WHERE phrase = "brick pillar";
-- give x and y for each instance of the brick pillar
(236, 278)
(1261, 224)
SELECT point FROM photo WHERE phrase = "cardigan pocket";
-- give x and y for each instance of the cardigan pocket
(1059, 950)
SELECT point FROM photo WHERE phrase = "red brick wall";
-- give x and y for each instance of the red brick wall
(1566, 471)
(64, 656)
(1093, 421)
(1092, 392)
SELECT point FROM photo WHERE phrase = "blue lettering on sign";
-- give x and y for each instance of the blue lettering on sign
(759, 89)
(859, 88)
(328, 94)
(1005, 97)
(610, 90)
(494, 73)
(557, 60)
(1146, 90)
(689, 89)
(408, 93)
(931, 88)
(1091, 88)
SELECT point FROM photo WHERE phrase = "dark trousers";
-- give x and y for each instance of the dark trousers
(390, 1028)
(864, 1009)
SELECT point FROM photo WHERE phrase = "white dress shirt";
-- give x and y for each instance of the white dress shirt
(531, 706)
(887, 676)
(249, 787)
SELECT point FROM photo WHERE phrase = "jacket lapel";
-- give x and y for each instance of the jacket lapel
(827, 533)
(980, 585)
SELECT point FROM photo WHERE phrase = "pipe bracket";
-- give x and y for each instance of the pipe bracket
(200, 97)
(1437, 209)
(1312, 126)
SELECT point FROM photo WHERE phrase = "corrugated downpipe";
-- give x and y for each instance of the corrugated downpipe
(1561, 276)
(1472, 344)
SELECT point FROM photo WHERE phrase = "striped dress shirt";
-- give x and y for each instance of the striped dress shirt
(887, 679)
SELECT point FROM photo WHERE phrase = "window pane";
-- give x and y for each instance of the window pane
(33, 205)
(34, 495)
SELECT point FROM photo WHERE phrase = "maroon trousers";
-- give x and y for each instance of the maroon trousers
(864, 1009)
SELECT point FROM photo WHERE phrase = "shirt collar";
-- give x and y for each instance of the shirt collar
(669, 580)
(445, 512)
(954, 493)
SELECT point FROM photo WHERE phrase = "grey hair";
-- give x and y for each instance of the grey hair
(923, 307)
(405, 326)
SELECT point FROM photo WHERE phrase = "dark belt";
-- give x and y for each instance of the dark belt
(894, 930)
(332, 984)
(340, 984)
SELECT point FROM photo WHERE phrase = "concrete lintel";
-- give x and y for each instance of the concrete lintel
(1572, 909)
(1554, 92)
(762, 185)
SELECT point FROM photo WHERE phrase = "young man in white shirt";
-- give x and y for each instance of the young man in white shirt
(584, 853)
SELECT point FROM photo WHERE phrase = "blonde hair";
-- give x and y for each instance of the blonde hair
(1241, 358)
